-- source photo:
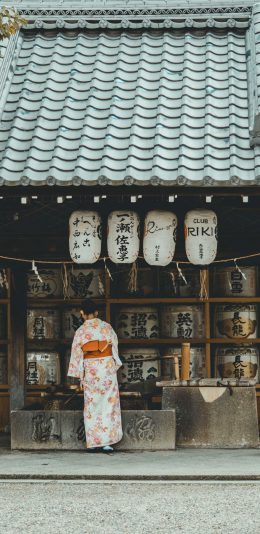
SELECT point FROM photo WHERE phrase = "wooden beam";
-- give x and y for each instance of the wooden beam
(18, 336)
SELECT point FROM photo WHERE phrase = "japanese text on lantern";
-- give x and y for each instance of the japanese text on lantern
(124, 234)
(85, 236)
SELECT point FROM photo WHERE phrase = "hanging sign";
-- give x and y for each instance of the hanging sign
(159, 237)
(85, 236)
(200, 229)
(123, 236)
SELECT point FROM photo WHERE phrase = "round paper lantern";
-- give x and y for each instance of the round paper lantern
(123, 236)
(159, 237)
(201, 234)
(85, 236)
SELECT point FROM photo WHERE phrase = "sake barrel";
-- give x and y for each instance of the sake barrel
(50, 286)
(71, 321)
(237, 361)
(42, 368)
(197, 362)
(229, 282)
(145, 282)
(70, 380)
(236, 320)
(3, 368)
(43, 323)
(173, 285)
(138, 322)
(139, 364)
(86, 283)
(182, 321)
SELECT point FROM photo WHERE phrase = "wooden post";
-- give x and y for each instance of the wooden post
(18, 333)
(185, 361)
(176, 368)
(207, 329)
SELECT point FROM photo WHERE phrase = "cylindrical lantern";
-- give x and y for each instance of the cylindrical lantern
(123, 236)
(200, 228)
(85, 236)
(159, 237)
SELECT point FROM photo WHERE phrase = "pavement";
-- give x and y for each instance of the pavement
(85, 507)
(182, 465)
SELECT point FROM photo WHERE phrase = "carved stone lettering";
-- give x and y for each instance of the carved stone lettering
(141, 429)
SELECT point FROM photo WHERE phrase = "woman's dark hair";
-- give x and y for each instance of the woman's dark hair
(88, 306)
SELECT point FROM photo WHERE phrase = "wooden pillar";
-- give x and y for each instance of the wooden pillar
(18, 337)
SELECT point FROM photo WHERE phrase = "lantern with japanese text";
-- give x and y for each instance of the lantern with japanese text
(123, 236)
(85, 236)
(159, 237)
(201, 233)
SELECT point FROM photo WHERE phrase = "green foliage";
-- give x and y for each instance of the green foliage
(10, 22)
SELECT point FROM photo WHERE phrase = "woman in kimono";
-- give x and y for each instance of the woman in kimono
(95, 361)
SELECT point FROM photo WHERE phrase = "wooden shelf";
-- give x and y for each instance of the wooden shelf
(4, 301)
(4, 341)
(31, 302)
(159, 341)
(184, 300)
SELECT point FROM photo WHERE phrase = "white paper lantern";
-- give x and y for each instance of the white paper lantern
(201, 236)
(123, 236)
(85, 236)
(159, 237)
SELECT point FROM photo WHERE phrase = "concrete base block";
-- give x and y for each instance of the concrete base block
(64, 430)
(213, 417)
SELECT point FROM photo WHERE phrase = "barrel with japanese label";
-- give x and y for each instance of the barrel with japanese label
(71, 321)
(139, 364)
(3, 368)
(176, 284)
(236, 320)
(182, 321)
(138, 322)
(86, 283)
(49, 286)
(197, 362)
(144, 287)
(232, 282)
(70, 380)
(42, 368)
(43, 323)
(237, 361)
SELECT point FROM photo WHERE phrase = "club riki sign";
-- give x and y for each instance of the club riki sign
(85, 236)
(159, 237)
(200, 230)
(123, 240)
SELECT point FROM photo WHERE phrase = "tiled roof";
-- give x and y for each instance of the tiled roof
(124, 107)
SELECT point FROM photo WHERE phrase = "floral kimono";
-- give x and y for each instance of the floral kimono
(102, 415)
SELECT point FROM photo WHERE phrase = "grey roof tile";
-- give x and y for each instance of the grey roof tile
(148, 106)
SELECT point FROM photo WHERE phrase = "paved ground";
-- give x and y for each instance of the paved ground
(180, 464)
(129, 508)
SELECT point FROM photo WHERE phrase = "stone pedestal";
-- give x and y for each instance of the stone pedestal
(213, 417)
(64, 430)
